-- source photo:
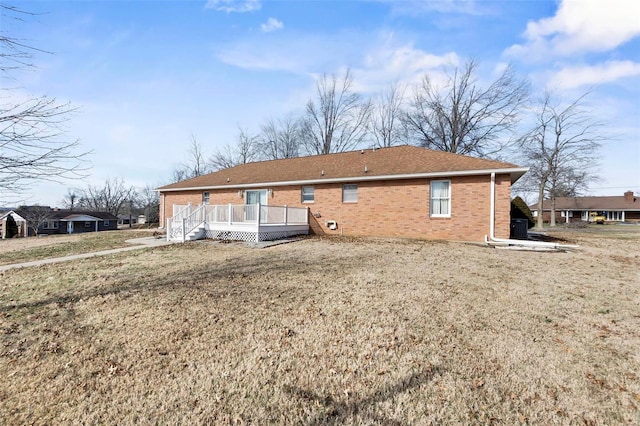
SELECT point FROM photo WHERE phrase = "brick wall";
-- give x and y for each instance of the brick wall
(397, 208)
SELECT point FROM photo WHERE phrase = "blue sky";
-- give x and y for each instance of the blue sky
(146, 75)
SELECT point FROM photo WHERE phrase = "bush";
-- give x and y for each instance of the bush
(520, 210)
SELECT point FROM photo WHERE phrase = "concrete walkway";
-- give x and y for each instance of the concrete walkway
(139, 244)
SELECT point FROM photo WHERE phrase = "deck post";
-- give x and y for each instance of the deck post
(184, 229)
(286, 214)
(230, 213)
(168, 229)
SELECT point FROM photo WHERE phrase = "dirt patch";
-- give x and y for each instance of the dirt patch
(326, 331)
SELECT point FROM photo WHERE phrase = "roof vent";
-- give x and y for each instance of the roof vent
(365, 169)
(322, 173)
(362, 151)
(228, 180)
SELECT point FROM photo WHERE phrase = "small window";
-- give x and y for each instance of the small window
(87, 224)
(106, 223)
(350, 193)
(205, 198)
(50, 225)
(440, 198)
(308, 195)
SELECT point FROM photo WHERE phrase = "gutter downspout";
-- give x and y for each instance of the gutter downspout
(491, 239)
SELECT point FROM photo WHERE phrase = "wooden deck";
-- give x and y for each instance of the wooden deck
(239, 222)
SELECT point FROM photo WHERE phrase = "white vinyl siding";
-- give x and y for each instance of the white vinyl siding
(440, 205)
(350, 193)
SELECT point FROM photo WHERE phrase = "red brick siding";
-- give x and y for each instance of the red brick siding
(397, 208)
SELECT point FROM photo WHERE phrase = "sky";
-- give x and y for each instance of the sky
(147, 75)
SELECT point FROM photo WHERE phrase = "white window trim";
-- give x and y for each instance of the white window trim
(356, 192)
(313, 194)
(439, 215)
(207, 199)
(265, 191)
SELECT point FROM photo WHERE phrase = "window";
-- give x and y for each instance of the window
(350, 193)
(50, 225)
(205, 198)
(87, 224)
(307, 194)
(440, 198)
(106, 223)
(614, 215)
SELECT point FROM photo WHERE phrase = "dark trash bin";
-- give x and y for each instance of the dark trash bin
(519, 229)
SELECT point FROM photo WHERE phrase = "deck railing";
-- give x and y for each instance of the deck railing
(249, 216)
(256, 214)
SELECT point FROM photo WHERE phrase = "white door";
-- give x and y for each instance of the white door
(70, 227)
(253, 198)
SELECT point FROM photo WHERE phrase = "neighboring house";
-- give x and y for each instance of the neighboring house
(124, 219)
(136, 219)
(402, 191)
(621, 208)
(20, 222)
(58, 221)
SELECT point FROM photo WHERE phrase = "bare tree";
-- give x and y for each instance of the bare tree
(280, 138)
(561, 150)
(149, 202)
(463, 117)
(70, 199)
(337, 120)
(195, 165)
(14, 53)
(112, 197)
(245, 151)
(33, 143)
(386, 126)
(35, 216)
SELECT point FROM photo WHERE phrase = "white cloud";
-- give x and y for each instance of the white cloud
(375, 61)
(234, 5)
(572, 77)
(580, 26)
(299, 53)
(272, 24)
(418, 7)
(403, 63)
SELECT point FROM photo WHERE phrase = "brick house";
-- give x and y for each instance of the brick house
(617, 208)
(59, 221)
(402, 191)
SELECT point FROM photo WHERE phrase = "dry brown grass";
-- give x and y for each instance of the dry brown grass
(326, 331)
(17, 250)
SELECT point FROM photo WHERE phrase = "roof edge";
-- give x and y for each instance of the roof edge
(515, 172)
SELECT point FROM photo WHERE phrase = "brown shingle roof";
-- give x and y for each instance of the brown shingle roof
(382, 162)
(592, 203)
